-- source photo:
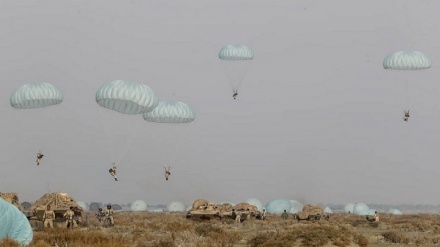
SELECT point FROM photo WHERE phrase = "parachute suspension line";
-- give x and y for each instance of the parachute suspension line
(128, 142)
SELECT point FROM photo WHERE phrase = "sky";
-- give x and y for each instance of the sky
(317, 118)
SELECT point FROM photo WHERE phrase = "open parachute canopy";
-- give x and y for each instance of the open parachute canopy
(14, 224)
(126, 97)
(36, 95)
(236, 52)
(170, 112)
(407, 60)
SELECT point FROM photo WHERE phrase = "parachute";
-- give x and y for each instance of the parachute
(406, 61)
(174, 113)
(38, 95)
(126, 97)
(176, 207)
(170, 112)
(236, 60)
(14, 224)
(255, 202)
(278, 206)
(138, 205)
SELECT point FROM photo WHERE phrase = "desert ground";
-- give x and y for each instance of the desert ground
(173, 229)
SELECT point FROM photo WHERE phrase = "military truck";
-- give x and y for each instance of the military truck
(309, 212)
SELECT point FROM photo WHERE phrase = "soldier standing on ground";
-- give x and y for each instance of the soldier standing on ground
(238, 217)
(110, 212)
(69, 214)
(48, 217)
(284, 215)
(263, 216)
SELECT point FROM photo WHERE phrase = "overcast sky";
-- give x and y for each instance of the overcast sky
(317, 118)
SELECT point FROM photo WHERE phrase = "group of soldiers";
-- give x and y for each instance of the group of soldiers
(71, 219)
(112, 170)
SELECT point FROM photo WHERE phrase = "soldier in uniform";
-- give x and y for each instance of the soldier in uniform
(69, 215)
(167, 172)
(110, 212)
(238, 217)
(405, 116)
(284, 215)
(48, 217)
(39, 157)
(112, 171)
(263, 216)
(235, 94)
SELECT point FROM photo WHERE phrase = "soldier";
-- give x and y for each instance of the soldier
(376, 216)
(167, 172)
(112, 171)
(110, 212)
(235, 94)
(69, 217)
(39, 157)
(405, 116)
(238, 218)
(100, 215)
(233, 214)
(284, 215)
(263, 216)
(48, 217)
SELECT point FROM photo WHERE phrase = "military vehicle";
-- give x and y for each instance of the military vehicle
(204, 210)
(245, 210)
(309, 212)
(60, 203)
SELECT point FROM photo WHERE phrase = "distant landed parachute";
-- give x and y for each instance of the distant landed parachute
(371, 211)
(360, 209)
(26, 205)
(14, 224)
(116, 207)
(126, 97)
(94, 206)
(138, 205)
(395, 211)
(37, 95)
(407, 60)
(170, 112)
(328, 210)
(349, 208)
(296, 206)
(255, 202)
(278, 206)
(236, 60)
(176, 207)
(83, 205)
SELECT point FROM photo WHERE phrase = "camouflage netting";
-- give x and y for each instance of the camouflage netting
(56, 201)
(244, 206)
(225, 207)
(12, 198)
(201, 203)
(313, 209)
